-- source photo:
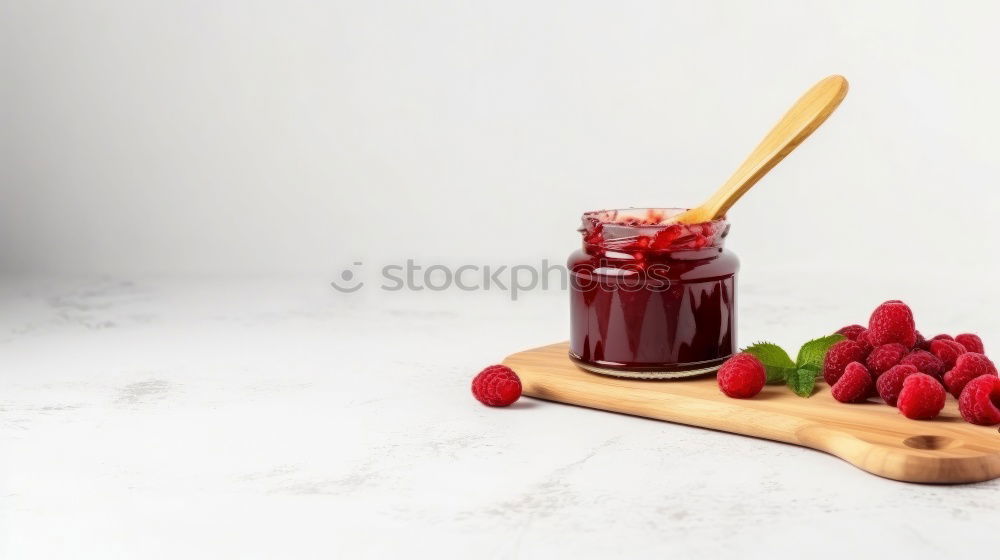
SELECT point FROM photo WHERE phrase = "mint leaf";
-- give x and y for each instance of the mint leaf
(776, 375)
(802, 380)
(812, 353)
(775, 360)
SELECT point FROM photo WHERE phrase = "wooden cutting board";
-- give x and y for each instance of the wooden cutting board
(871, 436)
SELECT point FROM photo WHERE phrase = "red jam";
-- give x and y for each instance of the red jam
(651, 298)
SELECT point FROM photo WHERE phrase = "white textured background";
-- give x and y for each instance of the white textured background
(173, 137)
(179, 181)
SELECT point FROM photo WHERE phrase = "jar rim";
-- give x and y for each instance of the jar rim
(640, 217)
(639, 230)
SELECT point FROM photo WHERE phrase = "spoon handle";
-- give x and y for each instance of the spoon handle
(798, 123)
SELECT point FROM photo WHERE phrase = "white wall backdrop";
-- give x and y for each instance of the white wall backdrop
(294, 137)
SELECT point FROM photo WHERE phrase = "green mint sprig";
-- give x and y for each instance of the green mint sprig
(800, 375)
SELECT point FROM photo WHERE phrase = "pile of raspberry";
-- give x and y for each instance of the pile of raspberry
(891, 360)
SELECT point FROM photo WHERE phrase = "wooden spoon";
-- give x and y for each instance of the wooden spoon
(798, 123)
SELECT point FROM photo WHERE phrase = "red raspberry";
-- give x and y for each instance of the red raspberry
(890, 383)
(968, 366)
(979, 401)
(947, 350)
(851, 331)
(925, 362)
(837, 358)
(884, 357)
(854, 386)
(921, 398)
(496, 386)
(864, 342)
(921, 342)
(892, 322)
(971, 342)
(942, 337)
(742, 376)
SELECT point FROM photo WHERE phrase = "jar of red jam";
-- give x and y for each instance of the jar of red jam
(650, 298)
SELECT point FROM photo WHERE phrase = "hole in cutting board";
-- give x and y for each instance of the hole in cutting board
(929, 442)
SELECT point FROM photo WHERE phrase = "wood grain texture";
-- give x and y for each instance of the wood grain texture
(801, 120)
(872, 436)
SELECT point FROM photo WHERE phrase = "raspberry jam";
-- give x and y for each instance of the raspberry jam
(649, 298)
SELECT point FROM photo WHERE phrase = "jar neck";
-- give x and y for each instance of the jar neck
(600, 252)
(610, 231)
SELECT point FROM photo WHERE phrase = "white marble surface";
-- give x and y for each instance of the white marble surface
(145, 418)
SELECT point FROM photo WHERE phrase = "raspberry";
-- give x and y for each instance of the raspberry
(942, 337)
(892, 322)
(921, 398)
(742, 376)
(890, 383)
(947, 350)
(864, 342)
(854, 385)
(979, 401)
(968, 366)
(921, 342)
(837, 358)
(496, 386)
(925, 362)
(971, 342)
(851, 331)
(884, 357)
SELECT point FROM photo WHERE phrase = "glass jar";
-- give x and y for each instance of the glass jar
(651, 299)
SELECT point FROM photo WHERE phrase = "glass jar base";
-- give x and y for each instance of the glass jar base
(679, 371)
